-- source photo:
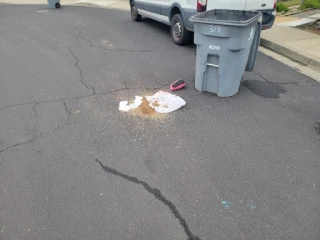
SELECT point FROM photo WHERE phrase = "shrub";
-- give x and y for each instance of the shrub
(282, 8)
(311, 4)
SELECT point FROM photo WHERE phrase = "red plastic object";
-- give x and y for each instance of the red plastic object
(178, 84)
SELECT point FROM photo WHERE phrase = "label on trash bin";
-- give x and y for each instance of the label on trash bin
(214, 47)
(213, 29)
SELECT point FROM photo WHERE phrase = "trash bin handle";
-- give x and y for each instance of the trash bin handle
(212, 65)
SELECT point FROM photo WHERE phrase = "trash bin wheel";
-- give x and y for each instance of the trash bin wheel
(179, 33)
(58, 5)
(134, 12)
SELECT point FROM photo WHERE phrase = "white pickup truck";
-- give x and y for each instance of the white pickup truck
(176, 13)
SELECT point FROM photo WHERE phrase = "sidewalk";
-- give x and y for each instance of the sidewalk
(299, 45)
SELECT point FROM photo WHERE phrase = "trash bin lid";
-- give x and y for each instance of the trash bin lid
(227, 17)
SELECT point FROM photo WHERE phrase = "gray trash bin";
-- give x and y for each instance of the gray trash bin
(224, 39)
(54, 3)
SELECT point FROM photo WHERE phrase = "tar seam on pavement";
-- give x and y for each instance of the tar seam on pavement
(156, 193)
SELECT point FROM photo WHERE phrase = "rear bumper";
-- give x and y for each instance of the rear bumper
(268, 17)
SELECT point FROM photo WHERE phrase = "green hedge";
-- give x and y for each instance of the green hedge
(311, 4)
(282, 7)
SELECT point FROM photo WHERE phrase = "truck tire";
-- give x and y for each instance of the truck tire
(134, 12)
(179, 33)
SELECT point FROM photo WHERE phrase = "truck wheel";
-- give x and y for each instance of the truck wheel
(58, 5)
(179, 33)
(134, 12)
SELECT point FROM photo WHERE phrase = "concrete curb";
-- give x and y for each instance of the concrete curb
(82, 4)
(294, 55)
(117, 5)
(299, 23)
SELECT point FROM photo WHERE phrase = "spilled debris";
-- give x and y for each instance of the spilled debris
(161, 102)
(164, 102)
(125, 106)
(145, 111)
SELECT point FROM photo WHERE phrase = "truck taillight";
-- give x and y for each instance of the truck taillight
(275, 4)
(201, 5)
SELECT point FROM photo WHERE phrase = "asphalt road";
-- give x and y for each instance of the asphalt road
(245, 167)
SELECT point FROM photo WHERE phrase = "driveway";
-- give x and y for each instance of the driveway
(73, 167)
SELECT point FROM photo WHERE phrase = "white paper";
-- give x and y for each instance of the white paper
(123, 105)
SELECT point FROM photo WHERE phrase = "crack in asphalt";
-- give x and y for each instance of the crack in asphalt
(76, 66)
(280, 83)
(35, 137)
(91, 44)
(127, 50)
(125, 84)
(68, 111)
(115, 48)
(313, 83)
(156, 193)
(35, 110)
(317, 128)
(267, 88)
(80, 70)
(94, 91)
(73, 29)
(22, 143)
(86, 96)
(157, 88)
(41, 133)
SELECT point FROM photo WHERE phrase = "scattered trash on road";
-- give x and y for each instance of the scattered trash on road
(145, 111)
(160, 102)
(125, 106)
(164, 102)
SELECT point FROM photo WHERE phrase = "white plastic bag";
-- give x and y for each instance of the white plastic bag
(164, 102)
